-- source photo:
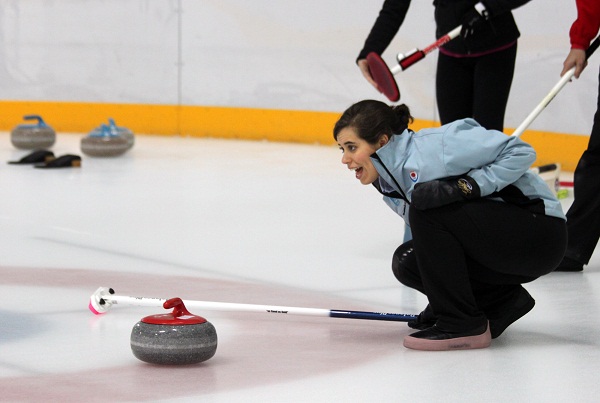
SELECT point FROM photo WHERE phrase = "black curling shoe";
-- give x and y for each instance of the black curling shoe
(569, 264)
(425, 320)
(516, 310)
(436, 339)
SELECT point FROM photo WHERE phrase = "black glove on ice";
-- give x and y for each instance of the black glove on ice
(472, 19)
(440, 192)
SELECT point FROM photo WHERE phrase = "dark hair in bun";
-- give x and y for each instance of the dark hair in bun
(371, 119)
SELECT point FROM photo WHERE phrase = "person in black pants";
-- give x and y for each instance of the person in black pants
(470, 68)
(583, 217)
(483, 224)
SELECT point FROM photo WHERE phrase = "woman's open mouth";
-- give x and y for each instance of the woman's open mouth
(358, 172)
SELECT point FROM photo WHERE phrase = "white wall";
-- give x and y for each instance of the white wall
(265, 54)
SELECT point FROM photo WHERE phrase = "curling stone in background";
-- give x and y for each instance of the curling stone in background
(123, 131)
(117, 130)
(33, 136)
(175, 338)
(104, 142)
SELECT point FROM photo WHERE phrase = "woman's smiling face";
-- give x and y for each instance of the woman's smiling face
(357, 154)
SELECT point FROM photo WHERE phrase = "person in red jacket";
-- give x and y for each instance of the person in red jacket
(583, 217)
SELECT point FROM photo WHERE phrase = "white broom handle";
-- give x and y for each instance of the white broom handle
(555, 90)
(542, 105)
(219, 306)
(105, 297)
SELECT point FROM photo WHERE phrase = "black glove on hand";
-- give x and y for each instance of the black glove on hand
(441, 192)
(472, 19)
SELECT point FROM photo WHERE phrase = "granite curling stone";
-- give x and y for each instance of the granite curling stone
(117, 131)
(123, 131)
(176, 338)
(104, 142)
(33, 136)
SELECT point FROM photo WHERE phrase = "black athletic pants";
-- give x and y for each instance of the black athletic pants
(583, 217)
(472, 257)
(475, 87)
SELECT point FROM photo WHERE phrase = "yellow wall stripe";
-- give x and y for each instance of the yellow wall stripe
(239, 123)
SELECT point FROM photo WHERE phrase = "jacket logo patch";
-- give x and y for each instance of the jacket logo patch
(414, 176)
(465, 186)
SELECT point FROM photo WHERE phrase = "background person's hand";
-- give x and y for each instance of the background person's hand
(472, 19)
(575, 58)
(363, 65)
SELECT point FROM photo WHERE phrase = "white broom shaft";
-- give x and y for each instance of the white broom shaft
(220, 306)
(110, 299)
(402, 59)
(542, 105)
(555, 90)
(443, 40)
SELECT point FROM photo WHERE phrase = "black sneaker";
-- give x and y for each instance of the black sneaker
(513, 311)
(569, 264)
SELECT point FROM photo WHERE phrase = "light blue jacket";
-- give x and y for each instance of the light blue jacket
(493, 159)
